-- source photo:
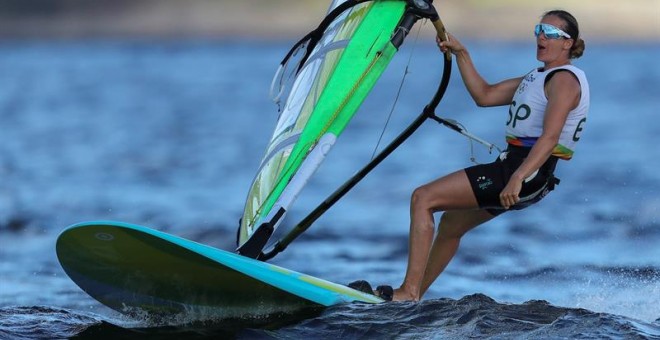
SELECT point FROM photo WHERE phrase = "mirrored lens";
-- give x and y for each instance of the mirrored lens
(551, 32)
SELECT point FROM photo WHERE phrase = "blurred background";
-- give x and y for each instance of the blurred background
(503, 19)
(156, 112)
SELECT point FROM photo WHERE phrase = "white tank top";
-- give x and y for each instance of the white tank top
(527, 112)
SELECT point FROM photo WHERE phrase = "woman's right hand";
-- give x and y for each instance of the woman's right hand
(452, 44)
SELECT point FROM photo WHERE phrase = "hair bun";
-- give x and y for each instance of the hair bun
(578, 48)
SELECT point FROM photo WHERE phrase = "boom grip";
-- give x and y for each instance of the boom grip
(442, 34)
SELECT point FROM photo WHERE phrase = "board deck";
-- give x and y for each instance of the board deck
(137, 270)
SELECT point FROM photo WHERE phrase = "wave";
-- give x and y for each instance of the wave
(473, 316)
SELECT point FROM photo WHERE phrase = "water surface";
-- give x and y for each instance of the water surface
(169, 135)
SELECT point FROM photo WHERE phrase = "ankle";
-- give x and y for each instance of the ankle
(401, 294)
(408, 292)
(408, 287)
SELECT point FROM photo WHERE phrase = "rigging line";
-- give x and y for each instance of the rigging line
(350, 94)
(398, 93)
(473, 157)
(461, 129)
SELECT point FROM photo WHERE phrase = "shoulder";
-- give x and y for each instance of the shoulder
(567, 78)
(565, 70)
(563, 76)
(563, 85)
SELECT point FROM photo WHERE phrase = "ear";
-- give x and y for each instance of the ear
(568, 43)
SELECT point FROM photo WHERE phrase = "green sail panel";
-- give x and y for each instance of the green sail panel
(326, 94)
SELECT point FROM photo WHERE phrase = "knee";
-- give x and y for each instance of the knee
(420, 198)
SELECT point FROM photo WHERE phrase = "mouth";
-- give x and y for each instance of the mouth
(540, 47)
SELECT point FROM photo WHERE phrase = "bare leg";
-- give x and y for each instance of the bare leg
(453, 225)
(452, 192)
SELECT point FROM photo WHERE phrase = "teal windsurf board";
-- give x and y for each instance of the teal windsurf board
(137, 270)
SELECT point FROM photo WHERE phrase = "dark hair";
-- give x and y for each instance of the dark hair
(572, 28)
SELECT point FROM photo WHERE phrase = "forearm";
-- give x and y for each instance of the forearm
(474, 83)
(484, 94)
(538, 155)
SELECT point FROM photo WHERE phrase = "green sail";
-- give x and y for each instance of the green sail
(329, 89)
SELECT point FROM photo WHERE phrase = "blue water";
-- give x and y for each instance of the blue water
(169, 135)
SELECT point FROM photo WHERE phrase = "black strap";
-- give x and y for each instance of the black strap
(552, 182)
(314, 36)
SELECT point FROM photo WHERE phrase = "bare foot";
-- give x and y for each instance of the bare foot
(400, 294)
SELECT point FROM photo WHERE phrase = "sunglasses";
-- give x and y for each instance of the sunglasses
(551, 32)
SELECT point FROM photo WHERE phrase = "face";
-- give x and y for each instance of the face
(553, 52)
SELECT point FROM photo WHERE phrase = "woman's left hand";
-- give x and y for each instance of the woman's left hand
(509, 195)
(452, 44)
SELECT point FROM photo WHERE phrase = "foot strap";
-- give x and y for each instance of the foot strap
(384, 292)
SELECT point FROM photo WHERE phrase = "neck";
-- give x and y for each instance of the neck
(547, 66)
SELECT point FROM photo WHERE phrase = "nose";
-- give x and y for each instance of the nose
(542, 36)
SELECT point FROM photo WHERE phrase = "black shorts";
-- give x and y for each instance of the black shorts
(488, 180)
